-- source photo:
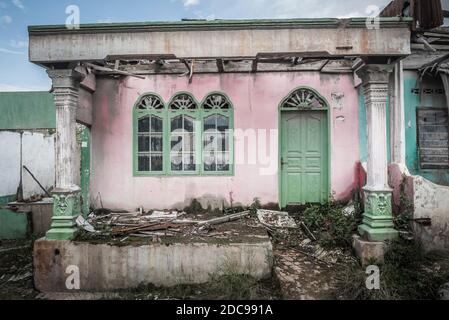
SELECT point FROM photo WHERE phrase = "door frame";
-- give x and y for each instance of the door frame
(281, 109)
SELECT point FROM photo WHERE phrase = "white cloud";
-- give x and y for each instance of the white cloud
(190, 3)
(5, 20)
(18, 44)
(298, 8)
(18, 4)
(3, 50)
(10, 87)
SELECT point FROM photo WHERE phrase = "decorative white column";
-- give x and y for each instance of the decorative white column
(377, 219)
(397, 112)
(66, 195)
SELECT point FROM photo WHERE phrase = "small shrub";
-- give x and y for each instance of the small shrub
(402, 219)
(331, 225)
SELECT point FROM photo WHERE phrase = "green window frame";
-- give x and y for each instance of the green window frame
(217, 121)
(180, 148)
(149, 123)
(184, 115)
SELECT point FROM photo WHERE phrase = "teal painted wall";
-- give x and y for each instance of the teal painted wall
(27, 110)
(362, 128)
(12, 225)
(412, 101)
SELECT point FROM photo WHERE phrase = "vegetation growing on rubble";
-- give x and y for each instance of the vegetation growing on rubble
(408, 273)
(331, 224)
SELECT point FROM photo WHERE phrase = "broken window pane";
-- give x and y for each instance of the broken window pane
(144, 124)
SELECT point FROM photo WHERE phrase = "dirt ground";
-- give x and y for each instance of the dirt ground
(16, 270)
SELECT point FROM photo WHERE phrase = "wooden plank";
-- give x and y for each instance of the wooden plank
(434, 143)
(434, 165)
(434, 159)
(433, 136)
(434, 151)
(433, 128)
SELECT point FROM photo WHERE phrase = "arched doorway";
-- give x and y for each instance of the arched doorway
(304, 148)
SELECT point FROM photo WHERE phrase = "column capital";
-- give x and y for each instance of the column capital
(65, 78)
(375, 73)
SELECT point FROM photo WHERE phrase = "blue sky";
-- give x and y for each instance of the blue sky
(17, 74)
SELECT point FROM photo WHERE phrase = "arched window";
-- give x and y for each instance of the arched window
(183, 137)
(217, 122)
(184, 117)
(149, 115)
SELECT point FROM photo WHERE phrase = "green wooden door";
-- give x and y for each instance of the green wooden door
(304, 157)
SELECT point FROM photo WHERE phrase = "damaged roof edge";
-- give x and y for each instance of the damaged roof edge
(389, 22)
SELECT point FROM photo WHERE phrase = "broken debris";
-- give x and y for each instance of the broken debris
(276, 219)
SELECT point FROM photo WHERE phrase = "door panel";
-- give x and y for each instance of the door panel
(304, 162)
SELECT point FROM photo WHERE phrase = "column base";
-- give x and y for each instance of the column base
(369, 252)
(378, 219)
(66, 208)
(377, 235)
(61, 234)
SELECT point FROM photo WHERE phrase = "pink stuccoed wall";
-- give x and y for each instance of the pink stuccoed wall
(255, 97)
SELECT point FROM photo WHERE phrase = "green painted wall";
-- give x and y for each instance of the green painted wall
(85, 170)
(362, 128)
(27, 110)
(412, 101)
(12, 225)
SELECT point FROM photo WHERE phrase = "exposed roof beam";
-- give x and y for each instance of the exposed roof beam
(111, 71)
(254, 65)
(324, 64)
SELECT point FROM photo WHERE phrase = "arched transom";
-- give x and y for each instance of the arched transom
(216, 101)
(183, 101)
(150, 102)
(304, 98)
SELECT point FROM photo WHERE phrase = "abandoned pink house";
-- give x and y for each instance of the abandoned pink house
(223, 112)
